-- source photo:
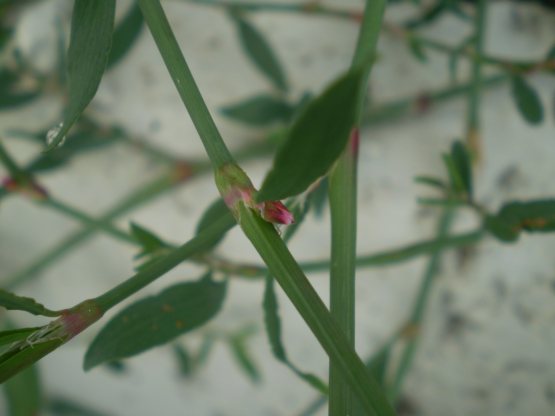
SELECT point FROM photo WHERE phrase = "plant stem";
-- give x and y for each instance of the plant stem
(473, 139)
(100, 224)
(287, 272)
(343, 209)
(261, 233)
(136, 198)
(412, 327)
(184, 82)
(152, 272)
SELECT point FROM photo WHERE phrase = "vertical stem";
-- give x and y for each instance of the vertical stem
(343, 207)
(184, 82)
(412, 327)
(473, 139)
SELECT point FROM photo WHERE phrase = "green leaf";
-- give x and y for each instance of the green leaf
(527, 100)
(126, 34)
(319, 197)
(217, 210)
(238, 346)
(431, 181)
(259, 110)
(415, 46)
(260, 52)
(23, 393)
(12, 301)
(92, 24)
(149, 241)
(315, 141)
(14, 360)
(155, 320)
(515, 217)
(184, 360)
(463, 165)
(273, 330)
(550, 54)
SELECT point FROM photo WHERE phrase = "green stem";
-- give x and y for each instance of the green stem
(152, 272)
(289, 275)
(343, 209)
(136, 198)
(415, 320)
(100, 224)
(473, 139)
(184, 82)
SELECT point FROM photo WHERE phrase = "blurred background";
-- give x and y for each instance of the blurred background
(486, 344)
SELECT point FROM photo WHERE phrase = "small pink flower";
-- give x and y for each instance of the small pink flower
(276, 212)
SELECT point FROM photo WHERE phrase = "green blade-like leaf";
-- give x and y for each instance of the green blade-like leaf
(184, 359)
(149, 241)
(260, 52)
(92, 25)
(217, 210)
(259, 110)
(23, 393)
(155, 320)
(272, 323)
(242, 355)
(461, 160)
(125, 35)
(12, 301)
(527, 100)
(315, 141)
(415, 47)
(515, 217)
(14, 361)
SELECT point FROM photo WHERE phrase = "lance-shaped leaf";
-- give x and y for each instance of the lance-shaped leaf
(515, 217)
(21, 348)
(260, 110)
(315, 141)
(260, 52)
(126, 33)
(12, 301)
(92, 25)
(273, 329)
(155, 320)
(527, 100)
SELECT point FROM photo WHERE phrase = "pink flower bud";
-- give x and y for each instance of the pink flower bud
(276, 212)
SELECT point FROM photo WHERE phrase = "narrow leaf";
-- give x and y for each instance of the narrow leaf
(23, 393)
(260, 52)
(149, 241)
(259, 110)
(462, 163)
(527, 100)
(126, 34)
(515, 217)
(155, 320)
(12, 301)
(273, 330)
(184, 360)
(315, 141)
(92, 24)
(242, 355)
(415, 46)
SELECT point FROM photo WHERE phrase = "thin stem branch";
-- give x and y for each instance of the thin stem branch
(343, 209)
(185, 83)
(411, 329)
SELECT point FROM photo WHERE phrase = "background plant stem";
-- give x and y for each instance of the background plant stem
(343, 210)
